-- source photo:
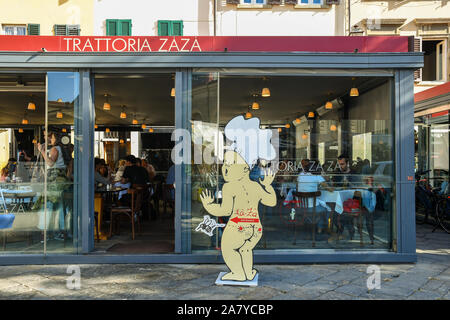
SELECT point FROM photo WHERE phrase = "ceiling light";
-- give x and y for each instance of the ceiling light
(172, 92)
(24, 120)
(151, 130)
(107, 130)
(134, 120)
(287, 125)
(20, 130)
(64, 130)
(143, 126)
(255, 106)
(59, 115)
(123, 115)
(121, 141)
(354, 91)
(265, 92)
(310, 114)
(106, 105)
(328, 105)
(31, 104)
(333, 127)
(297, 121)
(248, 115)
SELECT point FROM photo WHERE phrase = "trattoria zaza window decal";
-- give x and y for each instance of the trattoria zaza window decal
(241, 197)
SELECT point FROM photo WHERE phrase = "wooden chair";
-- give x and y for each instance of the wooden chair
(303, 201)
(168, 200)
(132, 211)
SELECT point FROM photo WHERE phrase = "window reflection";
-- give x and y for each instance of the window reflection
(334, 180)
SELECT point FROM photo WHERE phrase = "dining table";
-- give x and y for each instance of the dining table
(18, 197)
(103, 200)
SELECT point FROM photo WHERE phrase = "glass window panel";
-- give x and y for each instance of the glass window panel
(58, 214)
(22, 171)
(344, 153)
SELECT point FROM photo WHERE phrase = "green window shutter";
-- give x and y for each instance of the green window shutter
(60, 29)
(163, 28)
(34, 29)
(73, 30)
(177, 28)
(111, 27)
(124, 28)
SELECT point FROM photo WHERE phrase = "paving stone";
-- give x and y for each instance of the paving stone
(424, 295)
(352, 290)
(320, 286)
(336, 296)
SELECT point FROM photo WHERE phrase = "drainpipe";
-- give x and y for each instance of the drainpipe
(215, 14)
(349, 20)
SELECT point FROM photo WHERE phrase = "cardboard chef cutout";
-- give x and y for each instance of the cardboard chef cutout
(241, 196)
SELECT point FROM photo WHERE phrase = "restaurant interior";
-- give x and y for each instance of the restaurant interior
(315, 117)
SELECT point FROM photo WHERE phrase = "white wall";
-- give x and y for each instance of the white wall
(196, 15)
(198, 18)
(277, 21)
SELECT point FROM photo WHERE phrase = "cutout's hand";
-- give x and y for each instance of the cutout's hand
(269, 175)
(207, 198)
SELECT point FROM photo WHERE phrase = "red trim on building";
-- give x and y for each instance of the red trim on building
(432, 92)
(439, 114)
(363, 44)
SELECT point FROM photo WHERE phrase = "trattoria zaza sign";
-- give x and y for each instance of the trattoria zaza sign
(202, 44)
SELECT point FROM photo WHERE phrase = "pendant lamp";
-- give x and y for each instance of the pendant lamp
(59, 115)
(31, 104)
(354, 91)
(106, 105)
(123, 115)
(172, 92)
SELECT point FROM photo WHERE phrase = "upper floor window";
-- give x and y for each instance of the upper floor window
(116, 27)
(66, 29)
(310, 1)
(170, 28)
(15, 30)
(253, 1)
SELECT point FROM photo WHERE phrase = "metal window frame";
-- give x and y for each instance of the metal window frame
(401, 64)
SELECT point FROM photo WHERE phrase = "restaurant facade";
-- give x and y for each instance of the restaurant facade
(324, 98)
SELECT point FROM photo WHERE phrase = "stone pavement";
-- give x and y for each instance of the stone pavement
(429, 278)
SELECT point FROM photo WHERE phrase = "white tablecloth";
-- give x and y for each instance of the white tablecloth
(339, 196)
